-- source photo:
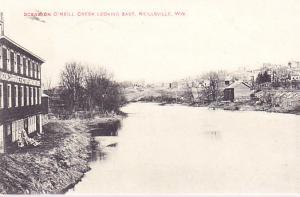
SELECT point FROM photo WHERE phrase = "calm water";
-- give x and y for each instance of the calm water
(196, 150)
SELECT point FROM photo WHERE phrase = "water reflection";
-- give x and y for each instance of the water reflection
(101, 147)
(103, 139)
(105, 129)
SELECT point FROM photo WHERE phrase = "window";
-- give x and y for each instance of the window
(31, 95)
(30, 125)
(40, 96)
(1, 58)
(29, 69)
(15, 63)
(18, 64)
(13, 68)
(8, 95)
(22, 95)
(34, 123)
(36, 95)
(21, 65)
(16, 96)
(1, 95)
(33, 70)
(27, 95)
(25, 66)
(8, 60)
(38, 71)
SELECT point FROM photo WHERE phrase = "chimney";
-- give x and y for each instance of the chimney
(1, 24)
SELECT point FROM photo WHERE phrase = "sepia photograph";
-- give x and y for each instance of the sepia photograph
(150, 97)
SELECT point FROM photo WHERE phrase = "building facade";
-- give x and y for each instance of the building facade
(238, 91)
(20, 91)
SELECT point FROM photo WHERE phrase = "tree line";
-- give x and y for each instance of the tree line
(86, 88)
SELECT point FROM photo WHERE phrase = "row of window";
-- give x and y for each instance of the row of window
(17, 63)
(20, 95)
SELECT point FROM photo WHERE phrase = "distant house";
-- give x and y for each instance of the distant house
(173, 85)
(237, 91)
(295, 77)
(294, 64)
(295, 80)
(55, 101)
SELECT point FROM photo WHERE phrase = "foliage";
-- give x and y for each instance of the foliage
(263, 78)
(72, 78)
(90, 89)
(211, 91)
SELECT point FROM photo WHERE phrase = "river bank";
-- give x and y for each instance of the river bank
(253, 106)
(277, 101)
(242, 106)
(269, 100)
(272, 101)
(57, 164)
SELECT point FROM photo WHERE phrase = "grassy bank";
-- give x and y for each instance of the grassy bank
(56, 165)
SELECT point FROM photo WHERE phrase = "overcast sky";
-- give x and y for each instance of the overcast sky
(213, 35)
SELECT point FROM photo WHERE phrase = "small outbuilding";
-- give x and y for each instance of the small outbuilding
(237, 91)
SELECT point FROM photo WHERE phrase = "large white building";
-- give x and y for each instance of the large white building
(20, 91)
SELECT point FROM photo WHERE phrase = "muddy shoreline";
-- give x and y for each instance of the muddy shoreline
(55, 166)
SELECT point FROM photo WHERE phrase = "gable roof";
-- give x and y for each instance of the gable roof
(237, 83)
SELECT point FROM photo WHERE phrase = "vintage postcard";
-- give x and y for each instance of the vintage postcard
(150, 97)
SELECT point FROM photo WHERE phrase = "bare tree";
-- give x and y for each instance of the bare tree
(187, 90)
(87, 88)
(209, 85)
(72, 79)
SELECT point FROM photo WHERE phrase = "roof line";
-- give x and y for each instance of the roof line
(237, 82)
(246, 84)
(13, 42)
